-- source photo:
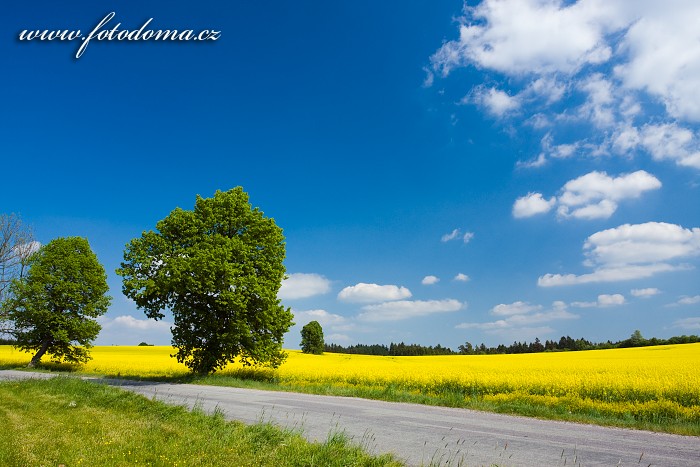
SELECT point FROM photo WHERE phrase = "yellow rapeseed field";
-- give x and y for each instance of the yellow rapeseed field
(648, 383)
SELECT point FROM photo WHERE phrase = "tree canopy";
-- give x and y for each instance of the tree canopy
(312, 338)
(217, 269)
(52, 307)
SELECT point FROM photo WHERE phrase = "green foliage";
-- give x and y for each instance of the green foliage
(53, 306)
(312, 338)
(218, 269)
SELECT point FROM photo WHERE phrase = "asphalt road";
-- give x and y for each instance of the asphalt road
(421, 434)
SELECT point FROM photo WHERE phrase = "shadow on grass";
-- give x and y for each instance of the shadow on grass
(221, 378)
(44, 366)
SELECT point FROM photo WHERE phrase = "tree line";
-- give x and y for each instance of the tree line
(565, 343)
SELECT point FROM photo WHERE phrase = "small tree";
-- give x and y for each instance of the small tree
(218, 269)
(52, 306)
(312, 338)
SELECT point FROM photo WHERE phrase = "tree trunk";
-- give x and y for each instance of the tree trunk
(37, 357)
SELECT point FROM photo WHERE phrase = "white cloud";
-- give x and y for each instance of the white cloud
(598, 107)
(687, 300)
(604, 301)
(645, 293)
(366, 293)
(519, 315)
(635, 66)
(497, 103)
(300, 285)
(127, 330)
(457, 233)
(611, 300)
(322, 316)
(608, 274)
(596, 194)
(430, 280)
(632, 252)
(531, 205)
(406, 309)
(461, 278)
(592, 196)
(530, 36)
(129, 322)
(340, 339)
(663, 47)
(687, 323)
(450, 236)
(670, 141)
(539, 161)
(429, 78)
(515, 308)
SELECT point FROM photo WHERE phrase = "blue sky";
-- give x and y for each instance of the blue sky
(443, 172)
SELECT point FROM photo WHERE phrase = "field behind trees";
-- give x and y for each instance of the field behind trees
(654, 388)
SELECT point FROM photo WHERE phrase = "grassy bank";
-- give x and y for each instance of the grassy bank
(67, 421)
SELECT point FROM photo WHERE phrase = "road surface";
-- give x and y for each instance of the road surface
(421, 435)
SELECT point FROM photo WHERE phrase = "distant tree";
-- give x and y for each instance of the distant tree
(636, 339)
(466, 349)
(16, 246)
(145, 344)
(218, 269)
(52, 308)
(312, 338)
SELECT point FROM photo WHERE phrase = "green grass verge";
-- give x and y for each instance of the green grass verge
(70, 422)
(449, 396)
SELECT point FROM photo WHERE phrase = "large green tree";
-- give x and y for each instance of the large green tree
(52, 308)
(312, 338)
(218, 269)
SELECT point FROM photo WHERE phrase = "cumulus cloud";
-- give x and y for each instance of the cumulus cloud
(530, 36)
(596, 194)
(655, 65)
(129, 322)
(127, 330)
(515, 308)
(337, 338)
(322, 316)
(592, 196)
(301, 285)
(611, 300)
(604, 301)
(367, 293)
(430, 280)
(645, 293)
(631, 69)
(406, 309)
(686, 300)
(531, 205)
(669, 141)
(496, 102)
(520, 315)
(461, 278)
(687, 323)
(632, 251)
